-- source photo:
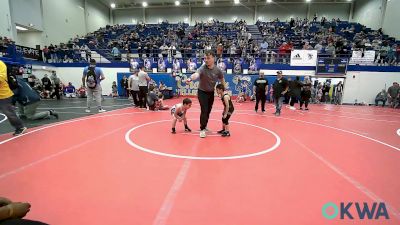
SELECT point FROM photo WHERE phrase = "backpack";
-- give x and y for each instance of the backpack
(91, 80)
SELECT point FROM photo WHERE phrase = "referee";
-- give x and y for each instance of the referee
(208, 74)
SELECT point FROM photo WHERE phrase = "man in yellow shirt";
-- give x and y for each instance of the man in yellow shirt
(6, 106)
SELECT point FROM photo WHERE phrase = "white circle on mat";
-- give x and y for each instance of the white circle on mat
(4, 119)
(133, 144)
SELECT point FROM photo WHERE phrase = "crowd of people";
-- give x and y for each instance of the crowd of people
(333, 38)
(234, 40)
(328, 38)
(52, 87)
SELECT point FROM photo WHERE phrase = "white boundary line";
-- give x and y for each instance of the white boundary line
(358, 118)
(395, 114)
(60, 152)
(84, 107)
(67, 122)
(166, 207)
(4, 119)
(327, 126)
(351, 180)
(302, 121)
(133, 144)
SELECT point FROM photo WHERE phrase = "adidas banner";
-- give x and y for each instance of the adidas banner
(303, 58)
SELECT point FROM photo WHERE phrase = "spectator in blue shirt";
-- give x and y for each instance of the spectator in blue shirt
(70, 91)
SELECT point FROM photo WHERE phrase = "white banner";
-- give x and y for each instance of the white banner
(303, 58)
(362, 58)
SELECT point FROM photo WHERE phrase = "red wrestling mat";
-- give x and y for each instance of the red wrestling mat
(125, 167)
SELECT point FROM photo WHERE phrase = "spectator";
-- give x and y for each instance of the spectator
(82, 92)
(280, 89)
(305, 93)
(220, 50)
(47, 87)
(88, 52)
(330, 50)
(124, 85)
(57, 86)
(381, 97)
(70, 91)
(116, 53)
(338, 93)
(114, 90)
(393, 95)
(294, 92)
(319, 47)
(261, 90)
(92, 76)
(397, 54)
(46, 54)
(307, 46)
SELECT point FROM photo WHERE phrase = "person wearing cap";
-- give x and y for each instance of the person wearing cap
(208, 74)
(281, 86)
(261, 90)
(95, 91)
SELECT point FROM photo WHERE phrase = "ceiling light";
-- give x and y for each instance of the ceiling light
(20, 28)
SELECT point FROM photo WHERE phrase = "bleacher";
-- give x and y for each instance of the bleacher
(151, 36)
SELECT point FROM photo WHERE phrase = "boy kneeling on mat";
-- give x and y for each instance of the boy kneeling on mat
(228, 110)
(178, 112)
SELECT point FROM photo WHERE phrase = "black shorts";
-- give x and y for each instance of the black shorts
(226, 120)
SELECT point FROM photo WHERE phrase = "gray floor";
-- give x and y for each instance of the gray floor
(67, 109)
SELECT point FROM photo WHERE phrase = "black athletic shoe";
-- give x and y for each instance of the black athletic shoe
(221, 131)
(173, 131)
(226, 134)
(20, 131)
(306, 108)
(187, 129)
(53, 113)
